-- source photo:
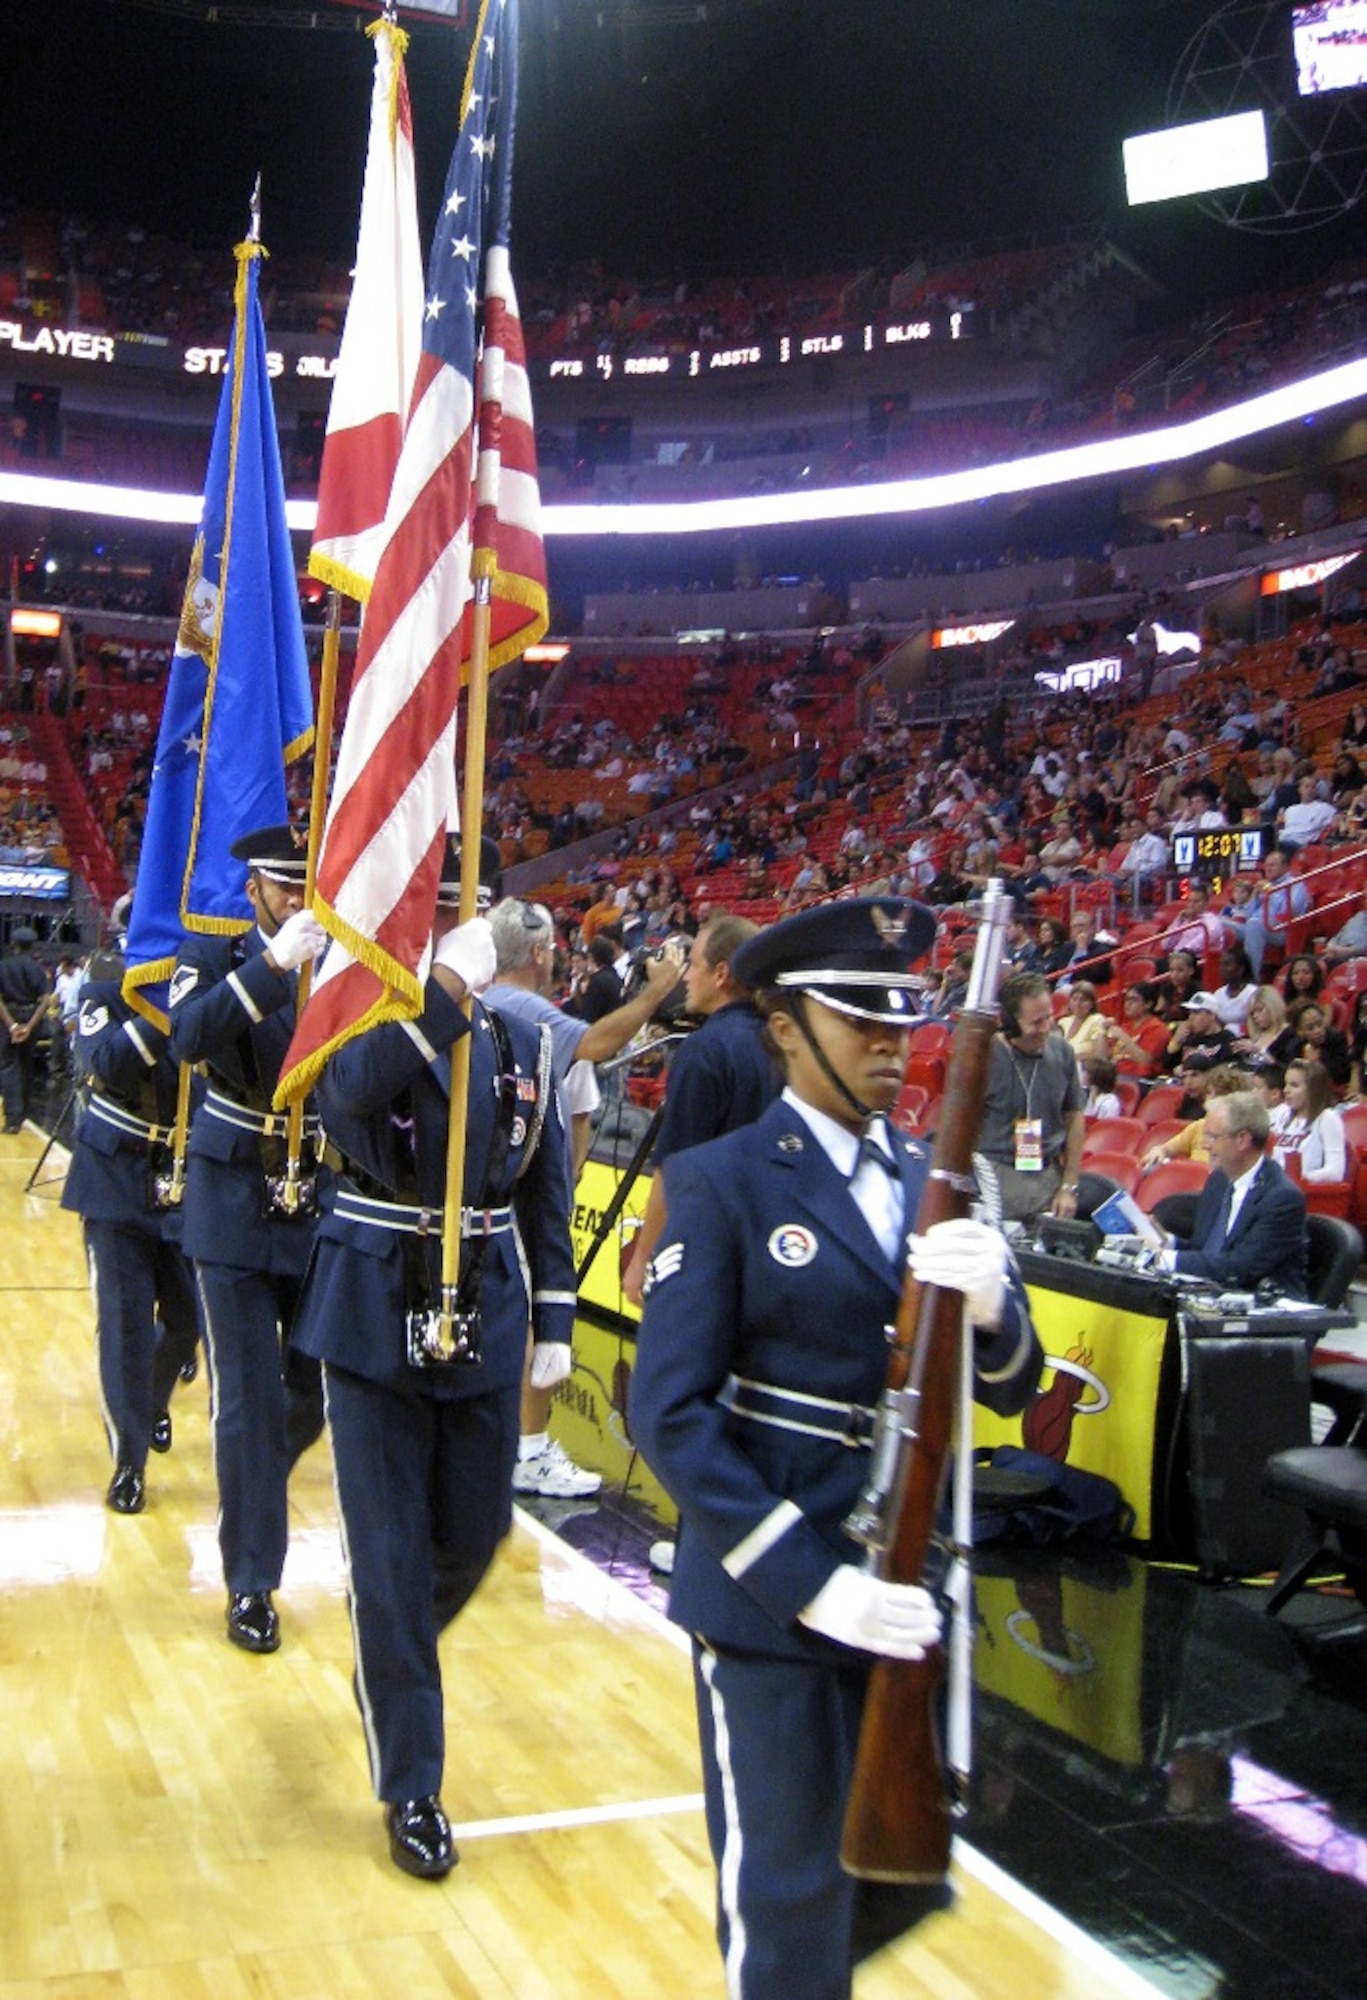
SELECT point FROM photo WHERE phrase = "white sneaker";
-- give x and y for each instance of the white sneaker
(554, 1475)
(662, 1557)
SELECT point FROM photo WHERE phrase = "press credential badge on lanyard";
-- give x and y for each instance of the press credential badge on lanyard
(1029, 1131)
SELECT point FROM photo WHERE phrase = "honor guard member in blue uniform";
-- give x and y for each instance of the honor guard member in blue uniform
(762, 1355)
(25, 996)
(120, 1183)
(233, 1011)
(424, 1425)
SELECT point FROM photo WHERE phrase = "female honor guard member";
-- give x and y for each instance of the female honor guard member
(424, 1424)
(233, 1009)
(763, 1352)
(119, 1183)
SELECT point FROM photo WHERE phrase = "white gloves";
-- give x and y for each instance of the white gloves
(551, 1363)
(299, 937)
(899, 1620)
(967, 1257)
(468, 952)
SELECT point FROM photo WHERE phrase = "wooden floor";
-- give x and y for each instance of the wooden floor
(179, 1819)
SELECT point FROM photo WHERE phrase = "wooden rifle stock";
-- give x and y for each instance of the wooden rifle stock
(898, 1819)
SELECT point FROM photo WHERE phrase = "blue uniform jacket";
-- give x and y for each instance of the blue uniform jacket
(353, 1312)
(767, 1270)
(233, 1013)
(128, 1064)
(1268, 1239)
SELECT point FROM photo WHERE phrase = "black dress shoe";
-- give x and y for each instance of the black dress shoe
(252, 1622)
(127, 1493)
(160, 1439)
(420, 1838)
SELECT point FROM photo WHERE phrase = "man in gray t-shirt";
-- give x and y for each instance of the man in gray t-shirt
(1032, 1124)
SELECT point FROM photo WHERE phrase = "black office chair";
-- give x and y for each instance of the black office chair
(1176, 1212)
(1330, 1483)
(1334, 1259)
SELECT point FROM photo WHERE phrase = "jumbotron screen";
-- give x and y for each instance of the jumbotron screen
(1330, 40)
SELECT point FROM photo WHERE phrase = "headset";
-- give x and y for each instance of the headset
(1013, 991)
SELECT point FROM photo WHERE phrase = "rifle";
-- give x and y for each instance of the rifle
(897, 1822)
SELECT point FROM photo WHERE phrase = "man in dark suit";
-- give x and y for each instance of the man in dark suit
(233, 1010)
(1250, 1219)
(424, 1429)
(763, 1352)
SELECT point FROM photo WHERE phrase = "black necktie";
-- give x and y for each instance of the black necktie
(869, 1149)
(1222, 1219)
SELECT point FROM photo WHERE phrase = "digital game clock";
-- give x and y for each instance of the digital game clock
(1222, 849)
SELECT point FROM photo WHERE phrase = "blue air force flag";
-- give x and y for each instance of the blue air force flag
(238, 709)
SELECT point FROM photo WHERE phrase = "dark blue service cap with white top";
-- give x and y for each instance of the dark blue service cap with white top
(490, 872)
(855, 955)
(280, 853)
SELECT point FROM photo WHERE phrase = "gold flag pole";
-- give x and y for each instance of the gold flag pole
(472, 829)
(292, 1191)
(170, 1194)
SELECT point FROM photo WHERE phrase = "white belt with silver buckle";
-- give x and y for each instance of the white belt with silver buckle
(266, 1124)
(794, 1410)
(412, 1220)
(109, 1113)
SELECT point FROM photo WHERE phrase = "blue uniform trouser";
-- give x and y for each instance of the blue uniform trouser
(424, 1487)
(264, 1416)
(779, 1740)
(138, 1279)
(778, 1746)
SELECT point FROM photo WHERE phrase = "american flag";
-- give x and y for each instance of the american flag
(381, 341)
(395, 791)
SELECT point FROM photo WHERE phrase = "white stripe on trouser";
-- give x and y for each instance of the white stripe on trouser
(211, 1352)
(728, 1867)
(93, 1265)
(372, 1741)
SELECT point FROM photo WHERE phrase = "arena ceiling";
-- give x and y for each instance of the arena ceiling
(654, 135)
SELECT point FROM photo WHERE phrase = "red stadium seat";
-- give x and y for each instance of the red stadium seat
(1173, 1177)
(926, 1070)
(1161, 1102)
(912, 1100)
(1350, 977)
(931, 1038)
(1114, 1135)
(1123, 1168)
(1128, 1091)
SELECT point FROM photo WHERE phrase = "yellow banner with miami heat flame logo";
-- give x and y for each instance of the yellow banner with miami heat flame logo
(1097, 1403)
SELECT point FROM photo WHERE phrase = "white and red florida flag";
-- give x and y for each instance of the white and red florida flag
(465, 498)
(377, 362)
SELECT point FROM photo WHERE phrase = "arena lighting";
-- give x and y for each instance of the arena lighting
(1172, 642)
(546, 654)
(1167, 445)
(36, 624)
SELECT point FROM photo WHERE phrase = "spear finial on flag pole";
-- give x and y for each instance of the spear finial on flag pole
(254, 226)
